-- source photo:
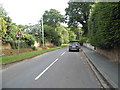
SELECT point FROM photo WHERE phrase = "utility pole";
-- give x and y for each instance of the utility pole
(42, 32)
(39, 30)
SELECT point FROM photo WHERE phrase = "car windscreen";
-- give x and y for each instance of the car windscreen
(74, 44)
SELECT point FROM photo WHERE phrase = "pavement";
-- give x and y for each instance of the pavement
(55, 69)
(107, 68)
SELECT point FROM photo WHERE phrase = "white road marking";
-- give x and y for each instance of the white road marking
(62, 53)
(48, 67)
(45, 69)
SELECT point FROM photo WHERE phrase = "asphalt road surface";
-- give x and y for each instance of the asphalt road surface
(55, 69)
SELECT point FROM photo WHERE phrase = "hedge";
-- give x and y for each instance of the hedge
(104, 28)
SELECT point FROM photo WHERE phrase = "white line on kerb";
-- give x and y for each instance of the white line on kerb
(62, 53)
(45, 69)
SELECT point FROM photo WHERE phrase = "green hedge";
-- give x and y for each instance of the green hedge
(104, 28)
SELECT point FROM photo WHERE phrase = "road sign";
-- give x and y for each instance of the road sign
(19, 34)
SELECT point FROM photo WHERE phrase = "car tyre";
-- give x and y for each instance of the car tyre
(69, 50)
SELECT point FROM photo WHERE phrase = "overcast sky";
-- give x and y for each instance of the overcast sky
(30, 11)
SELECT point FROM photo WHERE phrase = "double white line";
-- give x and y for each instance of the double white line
(48, 67)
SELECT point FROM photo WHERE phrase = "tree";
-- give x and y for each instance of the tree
(63, 34)
(54, 32)
(11, 31)
(49, 33)
(52, 17)
(6, 26)
(3, 26)
(77, 30)
(104, 26)
(72, 36)
(2, 11)
(77, 13)
(57, 35)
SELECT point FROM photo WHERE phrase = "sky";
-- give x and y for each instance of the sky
(30, 11)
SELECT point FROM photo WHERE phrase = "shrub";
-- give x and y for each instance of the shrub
(83, 40)
(33, 47)
(23, 44)
(29, 39)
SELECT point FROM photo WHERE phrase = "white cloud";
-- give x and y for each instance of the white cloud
(30, 11)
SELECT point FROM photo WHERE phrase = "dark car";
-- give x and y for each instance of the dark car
(74, 46)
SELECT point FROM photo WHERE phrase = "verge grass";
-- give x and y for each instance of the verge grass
(64, 45)
(22, 56)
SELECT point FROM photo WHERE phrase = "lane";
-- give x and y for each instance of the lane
(45, 70)
(48, 67)
(21, 74)
(56, 69)
(69, 71)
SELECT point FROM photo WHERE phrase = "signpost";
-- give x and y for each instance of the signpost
(19, 35)
(42, 33)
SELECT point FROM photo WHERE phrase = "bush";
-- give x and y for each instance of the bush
(83, 40)
(23, 44)
(29, 39)
(33, 47)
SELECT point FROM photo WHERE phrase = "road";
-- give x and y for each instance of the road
(55, 69)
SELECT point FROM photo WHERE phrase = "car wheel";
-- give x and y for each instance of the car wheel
(78, 50)
(69, 50)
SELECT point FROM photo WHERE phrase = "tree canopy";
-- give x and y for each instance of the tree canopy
(53, 30)
(77, 13)
(3, 26)
(52, 17)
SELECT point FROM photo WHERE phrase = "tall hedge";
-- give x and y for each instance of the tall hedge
(104, 25)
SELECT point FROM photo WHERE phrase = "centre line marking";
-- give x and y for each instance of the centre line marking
(62, 53)
(45, 69)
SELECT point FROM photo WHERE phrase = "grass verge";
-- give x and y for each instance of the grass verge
(22, 56)
(64, 45)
